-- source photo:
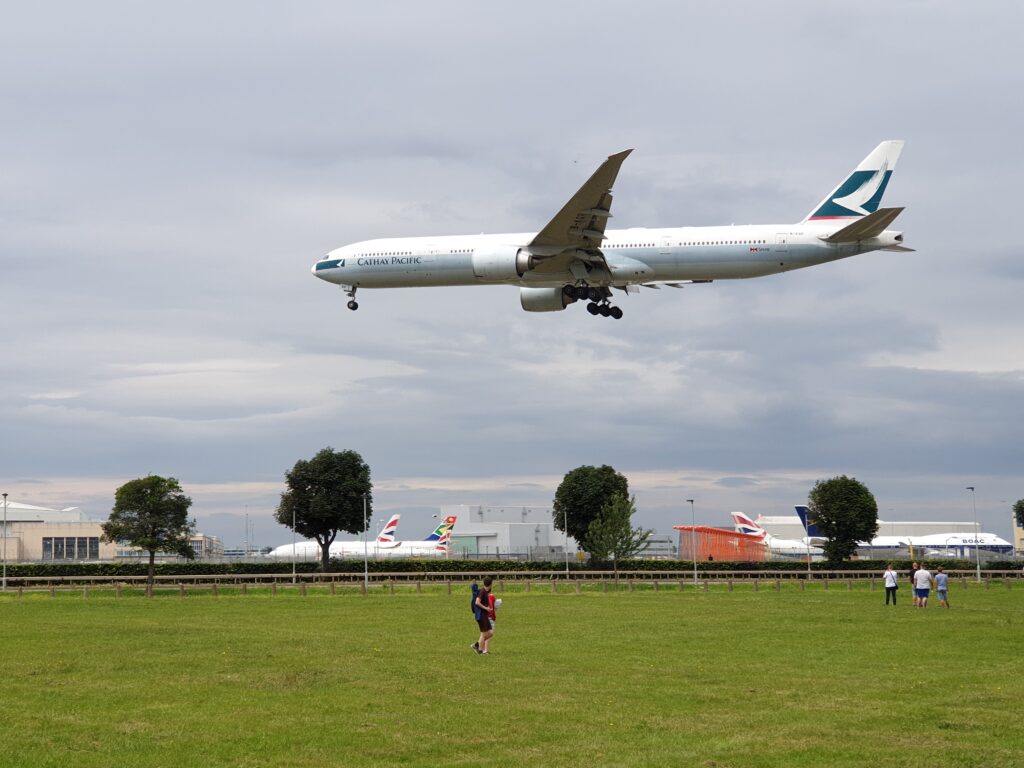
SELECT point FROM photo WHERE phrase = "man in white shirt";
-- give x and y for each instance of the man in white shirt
(922, 585)
(891, 584)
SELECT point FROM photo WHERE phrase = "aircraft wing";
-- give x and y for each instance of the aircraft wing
(580, 225)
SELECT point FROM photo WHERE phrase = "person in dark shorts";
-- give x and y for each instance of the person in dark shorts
(483, 617)
(914, 568)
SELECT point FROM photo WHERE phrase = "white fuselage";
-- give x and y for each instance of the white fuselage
(633, 256)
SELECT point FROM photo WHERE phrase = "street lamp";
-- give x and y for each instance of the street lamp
(693, 539)
(5, 544)
(565, 520)
(977, 554)
(366, 554)
(293, 543)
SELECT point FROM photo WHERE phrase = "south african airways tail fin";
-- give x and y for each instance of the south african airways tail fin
(438, 533)
(860, 193)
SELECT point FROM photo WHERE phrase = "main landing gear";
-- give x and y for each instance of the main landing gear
(350, 291)
(598, 298)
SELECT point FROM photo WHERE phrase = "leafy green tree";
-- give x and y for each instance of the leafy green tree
(846, 513)
(581, 496)
(1018, 512)
(325, 496)
(612, 535)
(152, 513)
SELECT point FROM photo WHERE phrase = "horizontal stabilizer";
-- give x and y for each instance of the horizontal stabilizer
(865, 228)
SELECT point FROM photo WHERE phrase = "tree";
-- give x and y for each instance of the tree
(152, 513)
(846, 513)
(612, 536)
(325, 496)
(1018, 513)
(581, 496)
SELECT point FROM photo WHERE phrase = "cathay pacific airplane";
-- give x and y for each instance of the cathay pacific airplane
(574, 258)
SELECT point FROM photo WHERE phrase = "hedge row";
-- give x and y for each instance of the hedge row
(457, 566)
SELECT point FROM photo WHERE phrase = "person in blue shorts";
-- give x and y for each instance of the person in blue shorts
(942, 587)
(922, 586)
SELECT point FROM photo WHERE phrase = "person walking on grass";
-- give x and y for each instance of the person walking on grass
(922, 585)
(891, 585)
(483, 612)
(942, 587)
(914, 568)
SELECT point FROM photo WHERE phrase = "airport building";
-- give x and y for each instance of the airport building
(495, 532)
(39, 534)
(526, 532)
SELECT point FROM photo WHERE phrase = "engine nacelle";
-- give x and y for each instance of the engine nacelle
(501, 262)
(544, 299)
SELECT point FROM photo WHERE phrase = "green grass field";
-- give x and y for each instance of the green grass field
(738, 678)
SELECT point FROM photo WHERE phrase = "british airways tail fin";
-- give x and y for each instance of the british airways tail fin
(861, 192)
(444, 543)
(744, 524)
(809, 525)
(387, 533)
(447, 524)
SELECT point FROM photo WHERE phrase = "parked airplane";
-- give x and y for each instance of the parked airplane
(574, 259)
(776, 546)
(436, 544)
(943, 544)
(310, 550)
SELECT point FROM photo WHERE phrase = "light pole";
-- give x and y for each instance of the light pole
(366, 553)
(5, 544)
(293, 543)
(566, 521)
(693, 539)
(977, 553)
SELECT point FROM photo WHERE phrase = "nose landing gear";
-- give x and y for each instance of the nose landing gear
(350, 291)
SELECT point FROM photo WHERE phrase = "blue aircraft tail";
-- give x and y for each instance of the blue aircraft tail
(809, 524)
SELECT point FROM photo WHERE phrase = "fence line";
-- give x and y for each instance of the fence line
(574, 581)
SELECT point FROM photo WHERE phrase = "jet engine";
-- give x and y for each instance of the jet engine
(501, 262)
(544, 299)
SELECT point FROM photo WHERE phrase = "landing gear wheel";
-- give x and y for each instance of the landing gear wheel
(604, 310)
(616, 313)
(353, 305)
(595, 294)
(592, 308)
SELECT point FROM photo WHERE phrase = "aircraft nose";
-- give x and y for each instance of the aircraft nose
(327, 267)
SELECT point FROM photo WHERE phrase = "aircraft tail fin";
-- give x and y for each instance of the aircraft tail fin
(444, 543)
(808, 520)
(744, 524)
(387, 533)
(860, 193)
(446, 525)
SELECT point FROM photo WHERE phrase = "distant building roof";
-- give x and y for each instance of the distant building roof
(17, 512)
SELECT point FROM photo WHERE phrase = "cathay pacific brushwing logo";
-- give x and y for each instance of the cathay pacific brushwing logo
(866, 192)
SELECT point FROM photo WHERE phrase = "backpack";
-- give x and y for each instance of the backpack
(472, 602)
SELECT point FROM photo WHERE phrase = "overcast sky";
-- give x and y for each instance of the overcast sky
(169, 174)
